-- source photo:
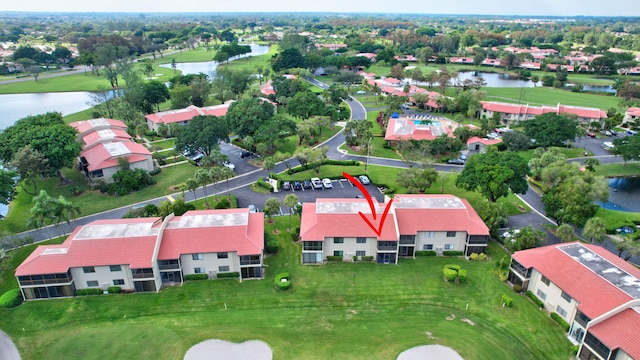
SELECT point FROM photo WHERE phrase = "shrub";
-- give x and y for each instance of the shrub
(462, 275)
(482, 257)
(560, 320)
(334, 258)
(223, 204)
(517, 288)
(455, 267)
(91, 291)
(197, 277)
(228, 275)
(155, 171)
(507, 301)
(449, 274)
(473, 257)
(278, 280)
(574, 349)
(270, 243)
(263, 184)
(11, 298)
(426, 253)
(452, 253)
(114, 289)
(535, 299)
(355, 257)
(366, 258)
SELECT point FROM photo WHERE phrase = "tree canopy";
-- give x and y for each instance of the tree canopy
(550, 129)
(494, 173)
(202, 134)
(246, 116)
(417, 179)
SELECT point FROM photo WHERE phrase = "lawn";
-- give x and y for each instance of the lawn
(550, 96)
(339, 310)
(378, 149)
(616, 219)
(618, 169)
(567, 152)
(91, 202)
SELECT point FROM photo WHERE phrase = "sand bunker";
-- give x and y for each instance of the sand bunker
(429, 352)
(8, 350)
(220, 349)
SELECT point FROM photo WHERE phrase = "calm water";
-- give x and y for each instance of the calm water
(624, 193)
(18, 106)
(209, 67)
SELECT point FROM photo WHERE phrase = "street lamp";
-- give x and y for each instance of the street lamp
(367, 160)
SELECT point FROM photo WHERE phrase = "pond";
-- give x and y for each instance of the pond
(624, 194)
(18, 106)
(209, 67)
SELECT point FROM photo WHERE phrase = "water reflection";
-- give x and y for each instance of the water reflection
(624, 193)
(209, 67)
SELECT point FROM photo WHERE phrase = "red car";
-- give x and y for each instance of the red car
(590, 134)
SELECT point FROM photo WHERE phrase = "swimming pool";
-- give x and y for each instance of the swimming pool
(427, 122)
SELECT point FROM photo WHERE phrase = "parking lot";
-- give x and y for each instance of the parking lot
(342, 188)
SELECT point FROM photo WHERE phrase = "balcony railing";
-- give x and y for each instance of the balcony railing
(142, 273)
(169, 265)
(45, 279)
(387, 248)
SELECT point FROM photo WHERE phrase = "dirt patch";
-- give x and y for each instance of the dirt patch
(468, 322)
(451, 317)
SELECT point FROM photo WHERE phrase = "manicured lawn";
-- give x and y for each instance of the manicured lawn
(252, 62)
(568, 152)
(91, 202)
(550, 96)
(619, 169)
(377, 149)
(164, 144)
(615, 219)
(359, 311)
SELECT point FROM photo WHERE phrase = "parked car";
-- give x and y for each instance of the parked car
(590, 134)
(608, 145)
(455, 161)
(631, 132)
(253, 208)
(317, 183)
(229, 165)
(245, 154)
(327, 184)
(297, 185)
(286, 185)
(306, 184)
(606, 132)
(613, 132)
(364, 180)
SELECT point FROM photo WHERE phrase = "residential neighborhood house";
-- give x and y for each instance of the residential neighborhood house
(146, 253)
(513, 113)
(183, 116)
(334, 227)
(593, 290)
(417, 127)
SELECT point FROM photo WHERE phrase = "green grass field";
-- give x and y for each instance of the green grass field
(550, 96)
(339, 310)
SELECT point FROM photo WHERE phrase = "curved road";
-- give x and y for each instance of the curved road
(247, 174)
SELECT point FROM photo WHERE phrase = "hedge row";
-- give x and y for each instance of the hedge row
(453, 272)
(298, 169)
(271, 245)
(452, 253)
(449, 274)
(334, 258)
(366, 258)
(507, 301)
(462, 275)
(560, 321)
(535, 299)
(197, 277)
(11, 298)
(282, 285)
(263, 184)
(114, 289)
(426, 253)
(92, 291)
(228, 275)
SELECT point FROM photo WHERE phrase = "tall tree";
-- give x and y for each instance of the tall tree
(29, 164)
(565, 232)
(550, 129)
(305, 104)
(416, 179)
(494, 174)
(6, 186)
(272, 207)
(247, 115)
(290, 201)
(202, 134)
(192, 185)
(595, 229)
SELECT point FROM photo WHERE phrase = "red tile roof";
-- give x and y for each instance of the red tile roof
(340, 218)
(405, 129)
(100, 243)
(186, 114)
(101, 123)
(475, 139)
(113, 134)
(620, 331)
(436, 213)
(633, 111)
(209, 231)
(594, 293)
(106, 155)
(506, 108)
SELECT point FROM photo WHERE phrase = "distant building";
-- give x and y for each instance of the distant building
(480, 144)
(513, 113)
(183, 116)
(417, 127)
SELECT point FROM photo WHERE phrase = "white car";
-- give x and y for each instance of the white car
(364, 180)
(229, 165)
(327, 184)
(508, 234)
(316, 182)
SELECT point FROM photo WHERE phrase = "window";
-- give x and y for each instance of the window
(198, 270)
(361, 253)
(338, 240)
(89, 269)
(566, 296)
(361, 240)
(197, 256)
(115, 268)
(311, 245)
(541, 295)
(561, 311)
(430, 234)
(92, 283)
(451, 234)
(117, 282)
(337, 253)
(223, 255)
(223, 268)
(427, 247)
(448, 246)
(545, 280)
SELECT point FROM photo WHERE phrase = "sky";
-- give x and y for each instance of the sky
(484, 7)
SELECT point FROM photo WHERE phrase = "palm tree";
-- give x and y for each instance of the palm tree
(565, 232)
(226, 174)
(291, 200)
(41, 212)
(595, 229)
(215, 175)
(192, 185)
(202, 177)
(69, 211)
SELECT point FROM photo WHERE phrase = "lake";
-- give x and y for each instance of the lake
(18, 106)
(624, 194)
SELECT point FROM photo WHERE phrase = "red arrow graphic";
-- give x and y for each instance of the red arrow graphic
(363, 190)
